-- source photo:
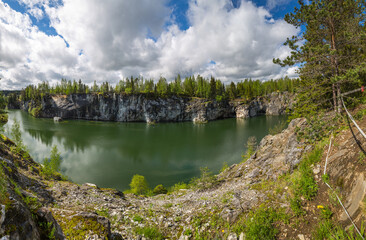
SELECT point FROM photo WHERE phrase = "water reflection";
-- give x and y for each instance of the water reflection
(109, 154)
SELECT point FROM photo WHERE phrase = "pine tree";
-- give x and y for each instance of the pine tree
(332, 43)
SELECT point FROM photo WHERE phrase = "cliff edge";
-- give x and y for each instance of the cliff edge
(142, 108)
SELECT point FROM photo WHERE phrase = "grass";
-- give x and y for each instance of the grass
(303, 182)
(296, 207)
(261, 224)
(103, 212)
(137, 218)
(152, 233)
(327, 229)
(360, 114)
(78, 227)
(3, 184)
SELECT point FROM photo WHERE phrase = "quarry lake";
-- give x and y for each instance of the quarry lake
(110, 153)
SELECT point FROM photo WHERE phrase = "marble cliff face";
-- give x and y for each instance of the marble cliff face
(141, 108)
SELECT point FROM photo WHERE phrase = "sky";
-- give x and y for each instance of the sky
(46, 40)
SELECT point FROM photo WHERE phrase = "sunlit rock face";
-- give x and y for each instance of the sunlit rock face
(144, 108)
(272, 104)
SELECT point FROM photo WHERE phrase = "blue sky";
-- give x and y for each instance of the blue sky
(179, 10)
(278, 11)
(109, 40)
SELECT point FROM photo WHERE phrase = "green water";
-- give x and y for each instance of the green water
(109, 153)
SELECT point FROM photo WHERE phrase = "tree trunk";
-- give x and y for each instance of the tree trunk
(339, 98)
(334, 97)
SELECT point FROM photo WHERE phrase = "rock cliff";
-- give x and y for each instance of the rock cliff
(142, 108)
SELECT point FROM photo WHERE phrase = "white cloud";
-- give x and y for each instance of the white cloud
(242, 42)
(113, 33)
(121, 38)
(271, 4)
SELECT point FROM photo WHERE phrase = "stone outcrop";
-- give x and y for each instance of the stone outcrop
(273, 104)
(276, 155)
(142, 108)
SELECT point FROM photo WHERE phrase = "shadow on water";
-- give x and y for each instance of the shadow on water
(109, 153)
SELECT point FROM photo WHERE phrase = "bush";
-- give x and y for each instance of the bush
(139, 185)
(36, 112)
(251, 148)
(207, 180)
(260, 225)
(178, 186)
(52, 165)
(160, 189)
(304, 184)
(303, 180)
(278, 128)
(16, 134)
(17, 138)
(3, 117)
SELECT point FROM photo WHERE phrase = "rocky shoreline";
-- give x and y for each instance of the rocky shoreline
(141, 108)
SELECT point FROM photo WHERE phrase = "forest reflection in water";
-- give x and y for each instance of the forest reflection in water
(110, 153)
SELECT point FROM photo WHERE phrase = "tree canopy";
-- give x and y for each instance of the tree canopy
(332, 43)
(193, 86)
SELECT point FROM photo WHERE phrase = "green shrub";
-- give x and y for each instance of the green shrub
(360, 114)
(3, 118)
(304, 184)
(16, 133)
(303, 180)
(160, 189)
(139, 185)
(52, 165)
(178, 186)
(260, 225)
(224, 167)
(251, 148)
(205, 181)
(36, 111)
(278, 127)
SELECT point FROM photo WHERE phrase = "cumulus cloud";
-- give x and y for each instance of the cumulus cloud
(111, 39)
(241, 41)
(112, 33)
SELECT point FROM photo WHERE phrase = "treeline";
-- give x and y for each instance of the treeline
(191, 87)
